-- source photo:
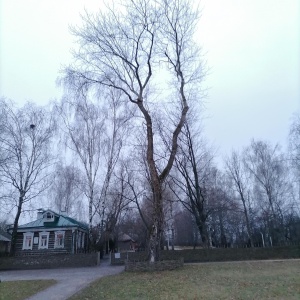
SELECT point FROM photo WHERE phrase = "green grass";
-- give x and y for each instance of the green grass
(242, 280)
(22, 289)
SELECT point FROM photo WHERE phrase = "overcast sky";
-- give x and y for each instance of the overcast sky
(251, 46)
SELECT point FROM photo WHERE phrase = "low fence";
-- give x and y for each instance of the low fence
(211, 255)
(50, 261)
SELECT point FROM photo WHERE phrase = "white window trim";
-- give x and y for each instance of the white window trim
(40, 239)
(55, 241)
(51, 217)
(26, 234)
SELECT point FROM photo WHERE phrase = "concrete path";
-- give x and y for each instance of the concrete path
(69, 281)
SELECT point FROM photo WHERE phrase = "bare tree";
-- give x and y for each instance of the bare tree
(294, 149)
(25, 142)
(117, 203)
(66, 189)
(127, 49)
(117, 124)
(84, 127)
(237, 173)
(267, 165)
(294, 141)
(96, 139)
(193, 165)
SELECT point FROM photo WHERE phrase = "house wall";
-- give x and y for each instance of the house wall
(4, 247)
(70, 244)
(125, 246)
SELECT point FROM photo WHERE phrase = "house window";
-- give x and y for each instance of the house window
(59, 239)
(49, 217)
(44, 240)
(27, 241)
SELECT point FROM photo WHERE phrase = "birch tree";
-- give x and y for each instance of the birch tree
(94, 133)
(66, 192)
(25, 144)
(266, 164)
(127, 48)
(83, 125)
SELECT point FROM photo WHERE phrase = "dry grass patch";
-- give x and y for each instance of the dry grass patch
(22, 289)
(242, 280)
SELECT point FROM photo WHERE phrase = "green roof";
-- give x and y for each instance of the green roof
(60, 221)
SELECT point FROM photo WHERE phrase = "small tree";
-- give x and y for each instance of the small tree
(25, 143)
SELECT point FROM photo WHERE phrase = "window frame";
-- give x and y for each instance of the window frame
(48, 216)
(40, 240)
(25, 235)
(56, 246)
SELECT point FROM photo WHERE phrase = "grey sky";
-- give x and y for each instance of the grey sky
(251, 46)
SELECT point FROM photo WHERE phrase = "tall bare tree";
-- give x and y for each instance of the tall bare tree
(294, 139)
(95, 135)
(84, 125)
(267, 166)
(294, 149)
(193, 165)
(117, 124)
(127, 48)
(237, 173)
(25, 143)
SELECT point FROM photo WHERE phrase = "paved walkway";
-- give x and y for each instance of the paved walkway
(69, 281)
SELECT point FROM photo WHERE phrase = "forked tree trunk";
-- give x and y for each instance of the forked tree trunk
(157, 179)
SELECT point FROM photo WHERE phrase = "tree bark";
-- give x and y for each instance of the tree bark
(15, 228)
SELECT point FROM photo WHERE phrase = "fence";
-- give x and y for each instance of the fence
(50, 261)
(211, 255)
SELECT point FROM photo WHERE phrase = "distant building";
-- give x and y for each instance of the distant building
(126, 243)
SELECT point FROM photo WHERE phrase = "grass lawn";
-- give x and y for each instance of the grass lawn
(239, 280)
(22, 289)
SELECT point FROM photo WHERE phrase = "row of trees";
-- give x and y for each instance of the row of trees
(123, 149)
(99, 174)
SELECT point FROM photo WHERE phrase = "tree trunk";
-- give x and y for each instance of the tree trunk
(15, 228)
(157, 226)
(173, 238)
(204, 233)
(90, 223)
(248, 223)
